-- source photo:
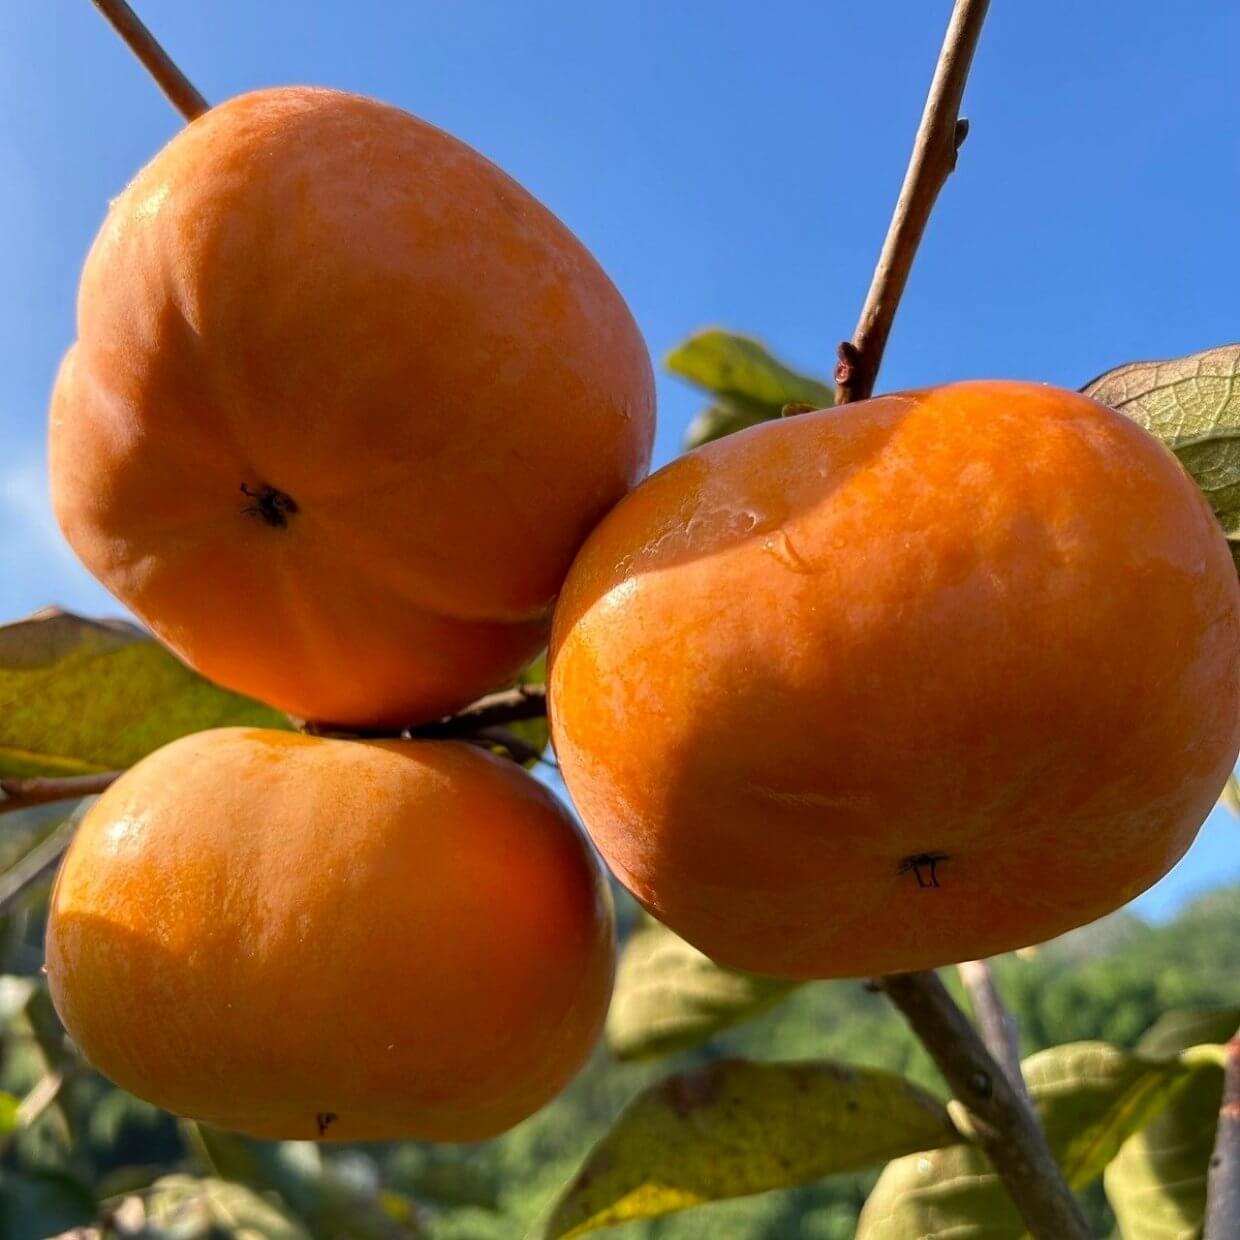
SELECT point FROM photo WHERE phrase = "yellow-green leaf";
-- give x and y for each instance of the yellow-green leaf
(736, 1128)
(748, 385)
(1157, 1183)
(670, 996)
(79, 695)
(1090, 1097)
(716, 421)
(1230, 799)
(1193, 405)
(193, 1207)
(331, 1204)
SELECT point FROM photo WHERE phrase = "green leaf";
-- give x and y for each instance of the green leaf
(190, 1207)
(1157, 1183)
(747, 383)
(329, 1204)
(42, 1203)
(716, 421)
(1230, 799)
(1193, 405)
(1090, 1097)
(1182, 1028)
(736, 1128)
(670, 996)
(8, 1113)
(948, 1194)
(81, 695)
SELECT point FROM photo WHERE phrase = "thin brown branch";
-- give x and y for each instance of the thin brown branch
(18, 794)
(484, 721)
(934, 157)
(1223, 1183)
(168, 77)
(496, 710)
(1003, 1126)
(45, 1092)
(995, 1023)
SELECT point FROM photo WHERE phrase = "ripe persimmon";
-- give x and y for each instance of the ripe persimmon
(297, 937)
(922, 679)
(344, 402)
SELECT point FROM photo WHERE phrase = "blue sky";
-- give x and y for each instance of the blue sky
(727, 162)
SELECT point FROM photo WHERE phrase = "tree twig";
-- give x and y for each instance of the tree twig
(483, 720)
(496, 710)
(44, 1092)
(1223, 1183)
(18, 794)
(493, 711)
(1003, 1126)
(168, 77)
(934, 157)
(995, 1023)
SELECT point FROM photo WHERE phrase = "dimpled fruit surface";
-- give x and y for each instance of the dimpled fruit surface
(913, 681)
(344, 403)
(302, 938)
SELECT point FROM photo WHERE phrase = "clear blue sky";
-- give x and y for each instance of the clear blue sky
(727, 162)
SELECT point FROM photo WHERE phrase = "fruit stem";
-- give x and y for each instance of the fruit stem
(168, 77)
(1223, 1183)
(939, 137)
(1001, 1123)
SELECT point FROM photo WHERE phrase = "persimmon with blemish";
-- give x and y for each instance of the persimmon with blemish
(917, 680)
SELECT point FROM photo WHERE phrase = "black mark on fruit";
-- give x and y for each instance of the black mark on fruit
(274, 507)
(325, 1119)
(925, 867)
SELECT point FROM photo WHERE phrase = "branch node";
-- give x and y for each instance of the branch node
(939, 136)
(849, 359)
(1004, 1127)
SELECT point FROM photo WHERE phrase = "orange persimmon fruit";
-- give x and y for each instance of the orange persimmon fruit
(344, 402)
(922, 679)
(297, 937)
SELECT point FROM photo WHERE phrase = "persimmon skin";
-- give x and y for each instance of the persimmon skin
(918, 680)
(427, 387)
(301, 938)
